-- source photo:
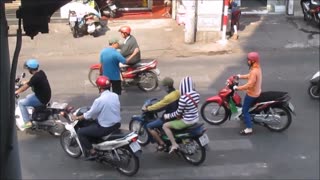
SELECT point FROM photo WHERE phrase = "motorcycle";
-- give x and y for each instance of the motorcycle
(311, 10)
(314, 87)
(43, 118)
(108, 8)
(192, 140)
(144, 75)
(119, 149)
(84, 19)
(267, 110)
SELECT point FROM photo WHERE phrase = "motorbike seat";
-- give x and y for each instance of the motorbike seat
(119, 133)
(272, 96)
(188, 129)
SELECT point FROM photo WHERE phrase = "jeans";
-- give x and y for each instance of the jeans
(155, 124)
(248, 100)
(30, 100)
(94, 131)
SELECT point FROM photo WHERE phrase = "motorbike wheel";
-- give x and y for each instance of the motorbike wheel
(143, 135)
(192, 157)
(57, 130)
(213, 113)
(314, 91)
(93, 74)
(66, 142)
(148, 81)
(129, 163)
(281, 111)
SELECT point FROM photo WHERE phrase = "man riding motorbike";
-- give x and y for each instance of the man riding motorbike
(106, 109)
(252, 88)
(130, 48)
(41, 88)
(169, 103)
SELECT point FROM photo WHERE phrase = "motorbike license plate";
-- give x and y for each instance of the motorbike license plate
(157, 71)
(204, 140)
(113, 7)
(72, 18)
(291, 106)
(135, 146)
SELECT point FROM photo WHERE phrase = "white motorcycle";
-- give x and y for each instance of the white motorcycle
(83, 19)
(120, 148)
(44, 118)
(314, 87)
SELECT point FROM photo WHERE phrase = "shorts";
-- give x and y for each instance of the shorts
(116, 86)
(155, 124)
(179, 124)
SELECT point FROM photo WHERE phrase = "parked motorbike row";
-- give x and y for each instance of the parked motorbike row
(314, 87)
(311, 11)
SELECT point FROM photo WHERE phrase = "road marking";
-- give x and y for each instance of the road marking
(230, 144)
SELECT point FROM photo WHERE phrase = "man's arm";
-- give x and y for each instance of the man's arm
(245, 76)
(163, 103)
(136, 51)
(94, 111)
(22, 88)
(251, 82)
(125, 51)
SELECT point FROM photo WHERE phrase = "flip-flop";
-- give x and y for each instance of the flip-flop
(161, 147)
(173, 149)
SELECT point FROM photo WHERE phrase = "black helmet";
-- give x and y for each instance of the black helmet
(167, 81)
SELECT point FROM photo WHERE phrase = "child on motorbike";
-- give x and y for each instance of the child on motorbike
(169, 103)
(187, 113)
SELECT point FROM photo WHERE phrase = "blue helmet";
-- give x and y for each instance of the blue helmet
(31, 64)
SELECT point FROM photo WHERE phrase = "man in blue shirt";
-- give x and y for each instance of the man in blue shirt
(110, 59)
(104, 116)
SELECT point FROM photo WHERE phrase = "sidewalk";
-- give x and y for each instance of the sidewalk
(163, 37)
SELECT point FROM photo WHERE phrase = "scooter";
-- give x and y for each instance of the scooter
(314, 87)
(43, 118)
(120, 148)
(311, 10)
(272, 109)
(83, 19)
(192, 140)
(144, 75)
(108, 8)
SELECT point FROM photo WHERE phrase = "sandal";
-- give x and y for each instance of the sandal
(161, 147)
(244, 133)
(173, 149)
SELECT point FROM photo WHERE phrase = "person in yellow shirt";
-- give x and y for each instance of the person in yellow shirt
(169, 104)
(252, 88)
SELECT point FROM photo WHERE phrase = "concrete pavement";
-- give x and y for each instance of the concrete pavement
(163, 37)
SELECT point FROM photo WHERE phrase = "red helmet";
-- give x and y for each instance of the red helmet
(125, 29)
(254, 57)
(103, 82)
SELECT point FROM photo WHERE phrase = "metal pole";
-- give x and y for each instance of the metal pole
(9, 155)
(225, 22)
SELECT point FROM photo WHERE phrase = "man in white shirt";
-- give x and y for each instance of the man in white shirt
(104, 115)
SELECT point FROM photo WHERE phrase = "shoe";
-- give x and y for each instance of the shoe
(173, 149)
(246, 131)
(27, 125)
(91, 157)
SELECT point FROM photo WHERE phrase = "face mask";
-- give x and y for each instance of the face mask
(30, 71)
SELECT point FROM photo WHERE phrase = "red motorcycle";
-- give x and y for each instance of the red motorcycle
(144, 75)
(272, 109)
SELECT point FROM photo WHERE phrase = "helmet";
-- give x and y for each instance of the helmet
(125, 29)
(167, 81)
(31, 64)
(103, 82)
(253, 57)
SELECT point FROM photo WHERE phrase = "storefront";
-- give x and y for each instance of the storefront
(264, 6)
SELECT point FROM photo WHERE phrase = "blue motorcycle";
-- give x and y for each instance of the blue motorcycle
(192, 140)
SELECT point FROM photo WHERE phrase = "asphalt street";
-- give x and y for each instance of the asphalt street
(293, 154)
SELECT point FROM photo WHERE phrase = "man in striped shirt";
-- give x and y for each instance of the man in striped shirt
(187, 113)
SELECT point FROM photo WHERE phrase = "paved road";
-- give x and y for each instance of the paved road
(293, 154)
